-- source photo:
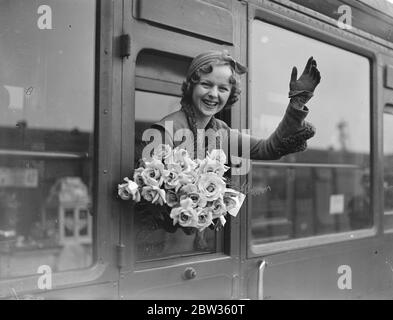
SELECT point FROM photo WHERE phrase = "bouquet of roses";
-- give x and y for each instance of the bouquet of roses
(194, 190)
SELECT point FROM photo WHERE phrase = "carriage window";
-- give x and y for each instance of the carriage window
(46, 135)
(155, 236)
(326, 188)
(388, 167)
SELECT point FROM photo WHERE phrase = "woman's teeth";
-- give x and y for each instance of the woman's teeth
(210, 103)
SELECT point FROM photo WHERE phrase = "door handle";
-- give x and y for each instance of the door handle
(261, 271)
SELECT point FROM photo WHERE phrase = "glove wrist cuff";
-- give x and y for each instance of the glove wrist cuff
(294, 93)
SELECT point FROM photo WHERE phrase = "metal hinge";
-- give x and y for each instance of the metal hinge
(125, 45)
(121, 255)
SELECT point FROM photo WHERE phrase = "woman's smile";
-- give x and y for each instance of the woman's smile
(209, 103)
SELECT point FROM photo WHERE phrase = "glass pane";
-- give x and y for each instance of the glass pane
(301, 202)
(155, 238)
(388, 167)
(340, 112)
(329, 192)
(46, 134)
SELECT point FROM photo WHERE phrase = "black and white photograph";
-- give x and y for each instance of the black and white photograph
(205, 153)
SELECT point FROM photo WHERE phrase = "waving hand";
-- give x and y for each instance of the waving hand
(309, 79)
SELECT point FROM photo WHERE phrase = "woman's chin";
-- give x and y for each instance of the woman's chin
(207, 111)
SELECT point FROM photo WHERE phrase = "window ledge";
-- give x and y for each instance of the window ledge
(294, 244)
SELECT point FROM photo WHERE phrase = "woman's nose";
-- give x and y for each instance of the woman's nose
(213, 92)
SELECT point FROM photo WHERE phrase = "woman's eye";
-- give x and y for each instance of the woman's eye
(224, 89)
(205, 84)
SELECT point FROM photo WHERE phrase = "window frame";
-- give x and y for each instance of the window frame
(328, 33)
(388, 109)
(131, 83)
(168, 88)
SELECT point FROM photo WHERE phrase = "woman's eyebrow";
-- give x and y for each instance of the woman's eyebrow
(218, 84)
(226, 85)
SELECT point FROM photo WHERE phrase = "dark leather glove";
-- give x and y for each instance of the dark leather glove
(307, 82)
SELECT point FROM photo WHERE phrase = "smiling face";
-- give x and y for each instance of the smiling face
(211, 93)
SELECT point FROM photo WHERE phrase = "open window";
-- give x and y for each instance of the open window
(159, 77)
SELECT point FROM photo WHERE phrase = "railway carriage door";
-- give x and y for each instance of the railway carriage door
(310, 224)
(159, 261)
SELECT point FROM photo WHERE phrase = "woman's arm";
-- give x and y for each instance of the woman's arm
(292, 133)
(290, 136)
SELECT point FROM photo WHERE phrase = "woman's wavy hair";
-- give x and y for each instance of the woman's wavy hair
(195, 77)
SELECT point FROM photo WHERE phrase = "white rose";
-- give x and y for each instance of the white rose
(154, 194)
(162, 152)
(205, 218)
(217, 154)
(184, 215)
(153, 173)
(129, 190)
(211, 186)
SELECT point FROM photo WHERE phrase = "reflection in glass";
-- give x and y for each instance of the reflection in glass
(326, 188)
(69, 223)
(46, 136)
(83, 222)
